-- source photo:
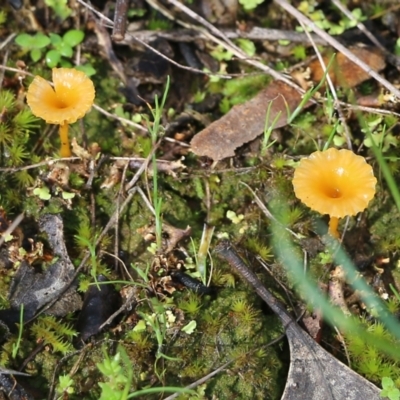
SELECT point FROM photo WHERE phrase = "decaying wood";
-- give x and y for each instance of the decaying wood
(36, 290)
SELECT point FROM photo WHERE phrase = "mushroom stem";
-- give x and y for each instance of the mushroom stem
(65, 150)
(333, 225)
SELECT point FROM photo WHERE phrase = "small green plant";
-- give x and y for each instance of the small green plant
(54, 333)
(397, 47)
(63, 47)
(268, 128)
(17, 125)
(389, 389)
(159, 321)
(118, 378)
(310, 9)
(118, 375)
(58, 49)
(60, 8)
(249, 5)
(33, 43)
(65, 386)
(155, 130)
(191, 304)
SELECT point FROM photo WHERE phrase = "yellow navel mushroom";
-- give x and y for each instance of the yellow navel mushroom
(69, 100)
(334, 182)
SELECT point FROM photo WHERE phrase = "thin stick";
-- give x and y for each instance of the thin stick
(119, 29)
(120, 119)
(11, 228)
(109, 24)
(255, 33)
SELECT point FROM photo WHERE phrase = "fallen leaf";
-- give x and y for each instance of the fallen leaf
(344, 72)
(245, 122)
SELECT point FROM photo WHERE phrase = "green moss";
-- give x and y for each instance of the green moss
(367, 359)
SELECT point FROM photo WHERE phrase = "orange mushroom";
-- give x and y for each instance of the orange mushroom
(69, 100)
(334, 182)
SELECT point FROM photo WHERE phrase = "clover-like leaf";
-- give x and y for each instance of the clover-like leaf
(68, 195)
(35, 54)
(43, 193)
(53, 57)
(190, 327)
(87, 69)
(73, 37)
(37, 41)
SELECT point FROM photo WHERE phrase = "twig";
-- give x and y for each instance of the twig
(170, 60)
(142, 167)
(125, 306)
(109, 24)
(39, 164)
(120, 119)
(116, 227)
(201, 380)
(255, 33)
(11, 228)
(5, 42)
(119, 29)
(19, 71)
(338, 46)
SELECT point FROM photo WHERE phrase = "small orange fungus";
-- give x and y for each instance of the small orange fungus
(69, 100)
(334, 182)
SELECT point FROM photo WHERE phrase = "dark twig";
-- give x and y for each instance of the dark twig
(225, 251)
(119, 29)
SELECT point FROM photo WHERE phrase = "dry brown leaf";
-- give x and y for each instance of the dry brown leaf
(245, 122)
(344, 72)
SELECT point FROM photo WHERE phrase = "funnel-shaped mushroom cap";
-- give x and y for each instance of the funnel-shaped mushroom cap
(334, 182)
(69, 100)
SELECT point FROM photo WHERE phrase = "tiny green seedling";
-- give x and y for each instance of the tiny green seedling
(60, 8)
(389, 389)
(59, 48)
(65, 386)
(250, 5)
(63, 47)
(156, 131)
(33, 43)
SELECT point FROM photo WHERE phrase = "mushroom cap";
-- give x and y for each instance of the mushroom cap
(334, 182)
(69, 100)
